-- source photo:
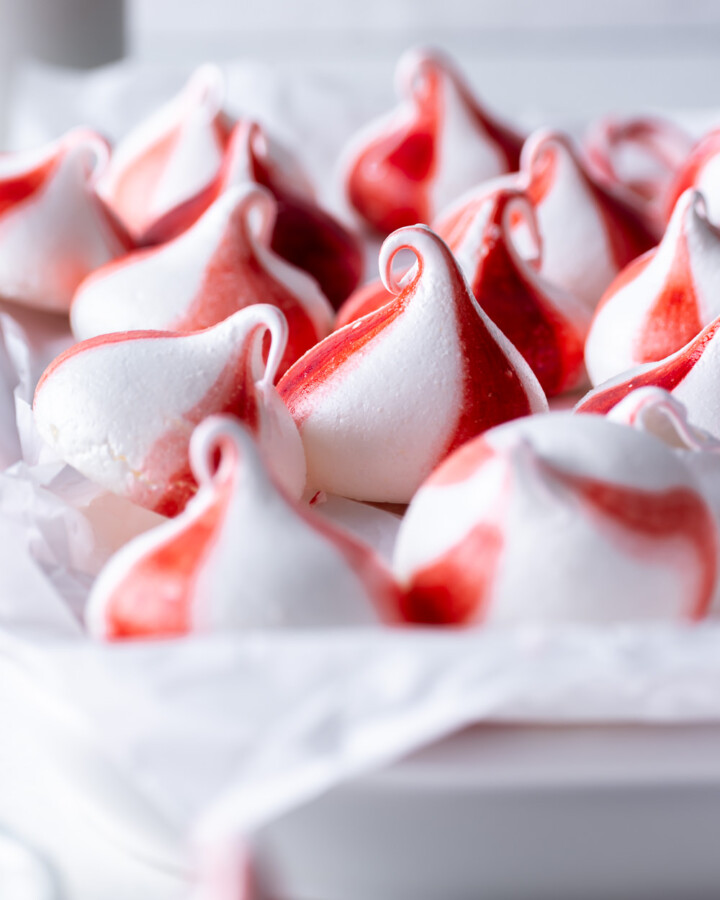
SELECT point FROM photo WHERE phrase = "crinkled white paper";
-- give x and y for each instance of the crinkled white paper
(220, 734)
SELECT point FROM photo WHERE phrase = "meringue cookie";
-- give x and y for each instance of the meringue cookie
(121, 408)
(54, 229)
(304, 234)
(692, 375)
(544, 322)
(661, 300)
(169, 158)
(701, 170)
(638, 157)
(221, 264)
(383, 400)
(558, 518)
(656, 412)
(241, 556)
(408, 165)
(588, 233)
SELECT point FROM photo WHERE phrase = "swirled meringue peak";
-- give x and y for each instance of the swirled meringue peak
(241, 556)
(638, 157)
(558, 518)
(121, 408)
(439, 142)
(168, 159)
(588, 233)
(383, 400)
(701, 171)
(660, 301)
(544, 322)
(54, 229)
(221, 264)
(692, 376)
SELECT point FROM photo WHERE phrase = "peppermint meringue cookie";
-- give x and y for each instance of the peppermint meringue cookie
(638, 157)
(701, 170)
(222, 264)
(121, 408)
(304, 234)
(692, 376)
(588, 233)
(383, 400)
(241, 556)
(544, 322)
(660, 301)
(656, 412)
(438, 143)
(54, 229)
(170, 158)
(558, 518)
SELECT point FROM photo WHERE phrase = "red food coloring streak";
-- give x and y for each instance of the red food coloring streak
(491, 390)
(16, 189)
(365, 300)
(689, 175)
(631, 271)
(654, 517)
(627, 234)
(674, 318)
(463, 464)
(388, 181)
(233, 392)
(235, 278)
(309, 373)
(551, 346)
(154, 599)
(455, 590)
(667, 375)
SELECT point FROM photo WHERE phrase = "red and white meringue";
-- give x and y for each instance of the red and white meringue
(544, 322)
(638, 157)
(170, 158)
(558, 518)
(121, 408)
(241, 556)
(588, 233)
(304, 234)
(438, 143)
(54, 229)
(221, 264)
(701, 170)
(692, 376)
(661, 300)
(383, 400)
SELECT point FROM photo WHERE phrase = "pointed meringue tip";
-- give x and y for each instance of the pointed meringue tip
(413, 64)
(90, 149)
(206, 86)
(539, 142)
(267, 319)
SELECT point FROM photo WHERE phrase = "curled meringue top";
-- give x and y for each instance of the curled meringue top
(215, 567)
(438, 143)
(381, 401)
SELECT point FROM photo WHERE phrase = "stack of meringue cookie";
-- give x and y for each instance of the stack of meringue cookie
(235, 369)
